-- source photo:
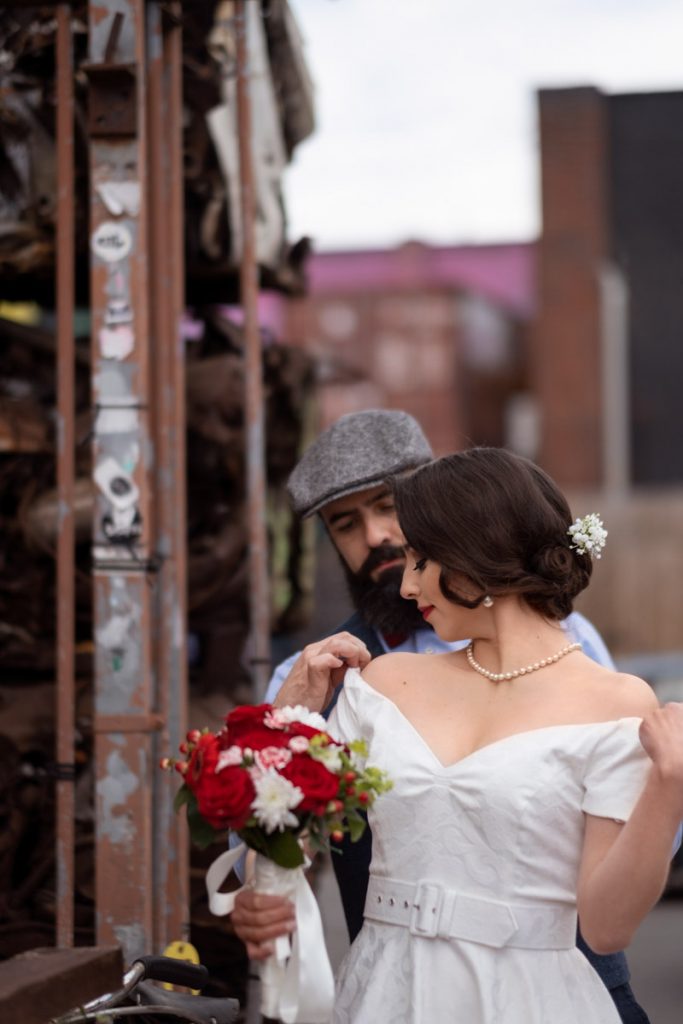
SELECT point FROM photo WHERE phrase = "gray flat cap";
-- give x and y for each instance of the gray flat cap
(359, 451)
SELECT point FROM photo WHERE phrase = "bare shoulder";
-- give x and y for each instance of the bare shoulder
(627, 696)
(385, 671)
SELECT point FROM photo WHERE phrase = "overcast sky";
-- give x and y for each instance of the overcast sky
(427, 113)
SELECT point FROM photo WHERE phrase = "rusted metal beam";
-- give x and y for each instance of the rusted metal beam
(123, 531)
(129, 723)
(259, 590)
(171, 853)
(65, 289)
(173, 830)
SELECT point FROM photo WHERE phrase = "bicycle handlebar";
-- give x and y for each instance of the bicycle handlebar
(176, 972)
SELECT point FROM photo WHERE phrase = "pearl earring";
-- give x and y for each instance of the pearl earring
(488, 601)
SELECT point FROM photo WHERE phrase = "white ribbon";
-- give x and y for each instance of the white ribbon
(297, 984)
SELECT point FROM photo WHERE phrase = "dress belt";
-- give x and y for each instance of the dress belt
(430, 910)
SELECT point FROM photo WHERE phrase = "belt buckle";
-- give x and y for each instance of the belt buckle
(425, 913)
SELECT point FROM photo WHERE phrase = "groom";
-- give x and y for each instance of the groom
(341, 477)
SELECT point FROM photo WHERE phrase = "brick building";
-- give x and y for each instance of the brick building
(438, 331)
(567, 349)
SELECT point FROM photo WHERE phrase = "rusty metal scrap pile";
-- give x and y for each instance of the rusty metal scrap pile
(28, 158)
(217, 555)
(215, 439)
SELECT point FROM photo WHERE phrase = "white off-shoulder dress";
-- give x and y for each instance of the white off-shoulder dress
(471, 910)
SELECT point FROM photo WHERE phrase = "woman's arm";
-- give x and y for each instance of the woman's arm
(624, 867)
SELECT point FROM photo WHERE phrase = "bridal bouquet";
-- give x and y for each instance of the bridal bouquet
(275, 776)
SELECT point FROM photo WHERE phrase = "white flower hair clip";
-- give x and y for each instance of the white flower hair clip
(588, 535)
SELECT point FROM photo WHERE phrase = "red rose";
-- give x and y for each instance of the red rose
(245, 718)
(224, 799)
(245, 728)
(204, 757)
(318, 785)
(301, 729)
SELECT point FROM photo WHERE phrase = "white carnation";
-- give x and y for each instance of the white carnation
(299, 713)
(275, 798)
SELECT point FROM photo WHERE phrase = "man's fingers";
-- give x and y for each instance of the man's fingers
(324, 663)
(260, 907)
(257, 952)
(259, 933)
(319, 668)
(362, 657)
(259, 918)
(345, 646)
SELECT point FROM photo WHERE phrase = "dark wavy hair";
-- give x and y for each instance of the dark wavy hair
(500, 521)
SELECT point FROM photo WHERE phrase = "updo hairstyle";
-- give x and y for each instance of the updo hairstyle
(498, 520)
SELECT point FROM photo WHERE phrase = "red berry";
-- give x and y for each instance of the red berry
(193, 736)
(165, 763)
(349, 776)
(337, 836)
(363, 798)
(350, 790)
(181, 766)
(183, 748)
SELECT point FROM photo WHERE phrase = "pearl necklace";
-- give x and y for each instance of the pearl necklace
(496, 677)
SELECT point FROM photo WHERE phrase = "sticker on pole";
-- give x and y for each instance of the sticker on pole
(111, 241)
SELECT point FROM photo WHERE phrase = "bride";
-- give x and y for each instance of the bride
(531, 785)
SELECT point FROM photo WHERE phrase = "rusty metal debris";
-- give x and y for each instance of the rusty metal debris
(217, 570)
(28, 152)
(94, 430)
(216, 465)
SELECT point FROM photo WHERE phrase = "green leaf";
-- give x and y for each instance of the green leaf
(201, 833)
(254, 838)
(284, 849)
(356, 824)
(280, 847)
(182, 797)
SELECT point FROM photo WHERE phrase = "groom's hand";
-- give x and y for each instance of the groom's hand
(259, 918)
(319, 669)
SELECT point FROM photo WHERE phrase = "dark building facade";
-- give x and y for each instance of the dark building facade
(646, 209)
(608, 340)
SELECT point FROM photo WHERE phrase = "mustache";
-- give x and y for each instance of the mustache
(379, 601)
(378, 556)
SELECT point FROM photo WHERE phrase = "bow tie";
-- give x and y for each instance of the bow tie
(394, 639)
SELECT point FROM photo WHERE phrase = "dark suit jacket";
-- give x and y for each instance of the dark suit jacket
(352, 863)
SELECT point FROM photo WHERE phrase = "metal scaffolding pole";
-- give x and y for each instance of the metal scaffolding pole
(123, 530)
(137, 282)
(65, 271)
(167, 282)
(254, 414)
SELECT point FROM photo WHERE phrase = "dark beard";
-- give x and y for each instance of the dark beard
(380, 603)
